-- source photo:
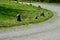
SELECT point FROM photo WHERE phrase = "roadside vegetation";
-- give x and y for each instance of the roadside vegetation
(9, 10)
(48, 1)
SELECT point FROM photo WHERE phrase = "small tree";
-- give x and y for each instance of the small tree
(30, 1)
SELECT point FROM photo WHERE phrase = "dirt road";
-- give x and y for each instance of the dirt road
(48, 30)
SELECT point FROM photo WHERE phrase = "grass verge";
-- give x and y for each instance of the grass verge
(9, 10)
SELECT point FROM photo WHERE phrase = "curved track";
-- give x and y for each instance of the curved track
(48, 30)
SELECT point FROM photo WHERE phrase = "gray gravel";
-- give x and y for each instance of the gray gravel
(48, 30)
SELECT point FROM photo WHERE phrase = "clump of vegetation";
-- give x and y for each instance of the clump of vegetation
(9, 10)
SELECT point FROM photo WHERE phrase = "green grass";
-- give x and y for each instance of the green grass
(9, 10)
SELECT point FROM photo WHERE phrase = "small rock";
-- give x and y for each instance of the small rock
(30, 4)
(36, 17)
(39, 6)
(42, 14)
(18, 17)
